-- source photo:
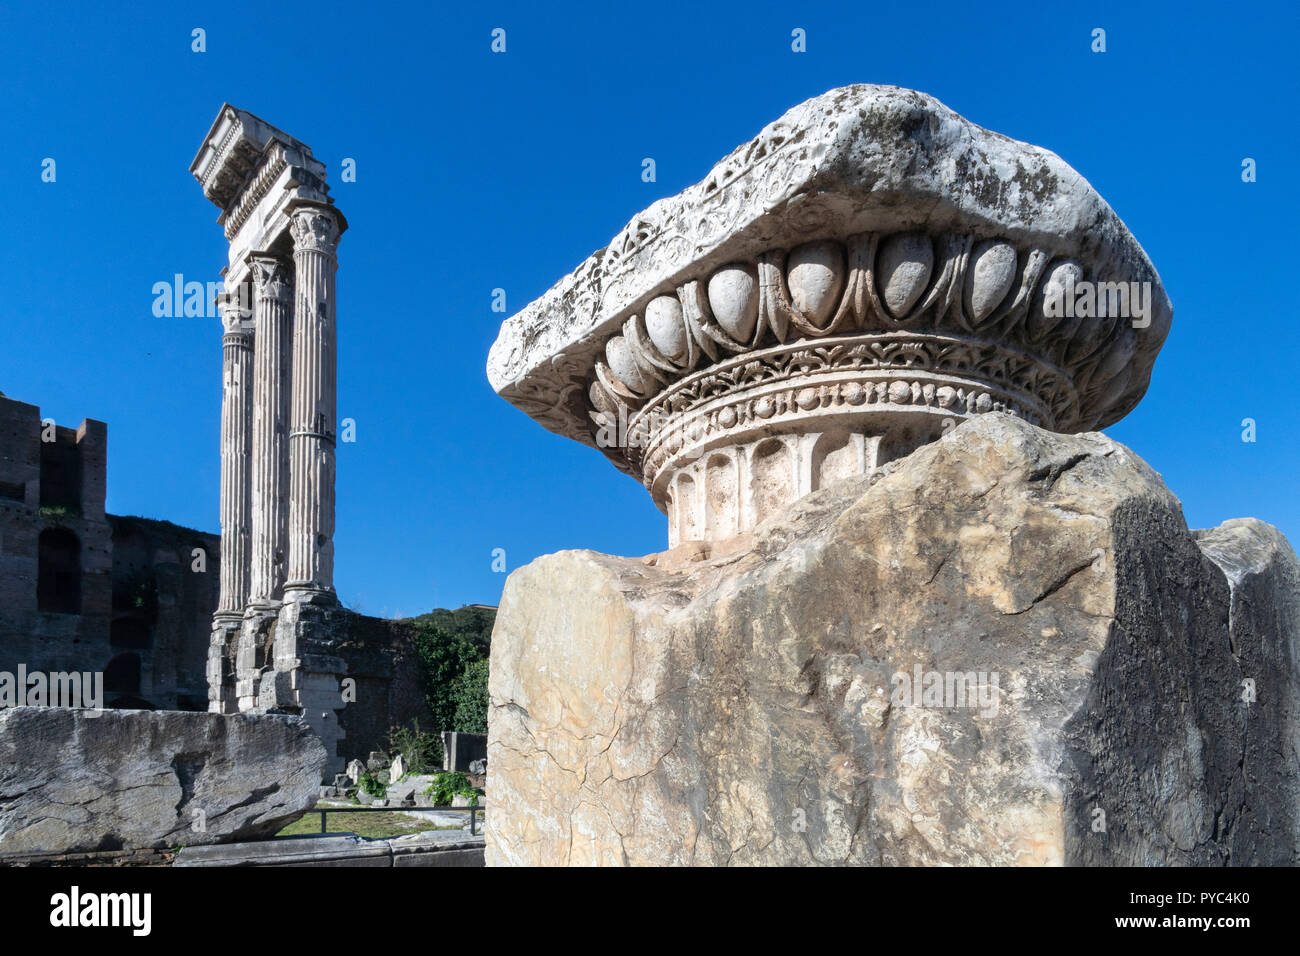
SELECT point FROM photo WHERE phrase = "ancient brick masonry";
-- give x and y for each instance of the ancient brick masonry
(85, 591)
(279, 611)
(56, 546)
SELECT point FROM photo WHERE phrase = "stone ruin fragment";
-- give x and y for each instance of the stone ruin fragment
(916, 609)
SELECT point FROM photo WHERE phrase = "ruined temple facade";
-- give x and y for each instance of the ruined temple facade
(90, 592)
(274, 634)
(134, 598)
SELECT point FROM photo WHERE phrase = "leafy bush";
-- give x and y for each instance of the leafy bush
(456, 698)
(59, 512)
(470, 694)
(472, 624)
(449, 784)
(375, 786)
(421, 751)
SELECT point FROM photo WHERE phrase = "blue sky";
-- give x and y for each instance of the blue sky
(477, 170)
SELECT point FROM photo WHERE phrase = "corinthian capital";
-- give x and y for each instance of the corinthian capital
(315, 229)
(273, 278)
(235, 311)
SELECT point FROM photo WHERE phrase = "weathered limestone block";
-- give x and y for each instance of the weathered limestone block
(80, 780)
(751, 703)
(398, 770)
(410, 792)
(1264, 577)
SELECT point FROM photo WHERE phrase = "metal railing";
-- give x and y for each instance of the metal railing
(473, 813)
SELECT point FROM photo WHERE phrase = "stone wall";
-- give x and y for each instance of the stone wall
(81, 590)
(381, 658)
(137, 599)
(163, 597)
(55, 543)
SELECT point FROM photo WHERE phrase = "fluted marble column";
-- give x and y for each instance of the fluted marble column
(236, 402)
(273, 304)
(236, 408)
(315, 229)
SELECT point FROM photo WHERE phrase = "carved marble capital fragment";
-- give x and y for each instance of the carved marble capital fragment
(867, 272)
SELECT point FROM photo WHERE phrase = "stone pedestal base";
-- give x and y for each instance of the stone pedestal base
(306, 670)
(255, 638)
(284, 658)
(1004, 648)
(222, 648)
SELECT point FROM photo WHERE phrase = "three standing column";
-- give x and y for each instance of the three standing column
(278, 424)
(279, 623)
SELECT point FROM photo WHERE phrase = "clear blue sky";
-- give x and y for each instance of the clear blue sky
(477, 170)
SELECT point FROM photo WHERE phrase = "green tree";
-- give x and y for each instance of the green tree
(443, 659)
(470, 694)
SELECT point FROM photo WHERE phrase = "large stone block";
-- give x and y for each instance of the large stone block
(81, 780)
(1098, 684)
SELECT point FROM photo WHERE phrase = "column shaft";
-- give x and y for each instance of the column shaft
(313, 405)
(236, 407)
(270, 466)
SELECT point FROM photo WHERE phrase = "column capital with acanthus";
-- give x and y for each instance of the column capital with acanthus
(316, 227)
(236, 314)
(272, 276)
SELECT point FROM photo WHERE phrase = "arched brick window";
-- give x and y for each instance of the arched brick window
(58, 575)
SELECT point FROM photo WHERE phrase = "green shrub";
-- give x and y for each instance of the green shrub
(420, 750)
(454, 671)
(470, 696)
(443, 657)
(59, 512)
(375, 786)
(450, 784)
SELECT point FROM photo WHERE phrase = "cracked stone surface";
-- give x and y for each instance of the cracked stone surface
(737, 703)
(82, 780)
